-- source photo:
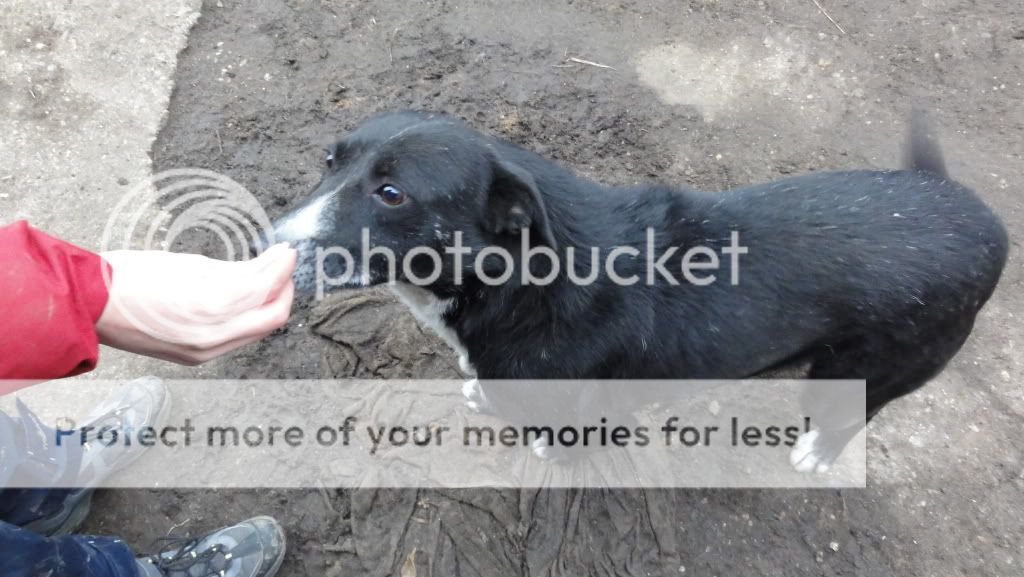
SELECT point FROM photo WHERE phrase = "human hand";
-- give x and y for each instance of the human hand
(188, 308)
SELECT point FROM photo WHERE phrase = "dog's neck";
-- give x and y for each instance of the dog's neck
(467, 315)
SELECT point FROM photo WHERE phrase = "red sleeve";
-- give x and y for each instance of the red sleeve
(51, 295)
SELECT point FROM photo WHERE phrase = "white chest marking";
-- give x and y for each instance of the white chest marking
(428, 310)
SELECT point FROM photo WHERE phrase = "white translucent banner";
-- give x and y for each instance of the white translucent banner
(424, 433)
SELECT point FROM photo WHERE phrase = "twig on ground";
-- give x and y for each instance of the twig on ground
(391, 54)
(830, 19)
(179, 525)
(572, 61)
(220, 143)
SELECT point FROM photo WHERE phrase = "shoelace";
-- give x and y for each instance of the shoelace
(179, 554)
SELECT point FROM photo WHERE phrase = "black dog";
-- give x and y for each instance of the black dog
(875, 275)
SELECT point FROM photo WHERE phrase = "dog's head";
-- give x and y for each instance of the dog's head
(406, 184)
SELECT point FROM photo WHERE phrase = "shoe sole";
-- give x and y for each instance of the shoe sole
(70, 518)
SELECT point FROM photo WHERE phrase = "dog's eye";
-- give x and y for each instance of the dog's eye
(391, 195)
(329, 160)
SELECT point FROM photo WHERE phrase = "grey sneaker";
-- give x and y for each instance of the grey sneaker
(253, 548)
(140, 403)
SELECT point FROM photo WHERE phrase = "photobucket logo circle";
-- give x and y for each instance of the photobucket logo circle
(180, 204)
(174, 202)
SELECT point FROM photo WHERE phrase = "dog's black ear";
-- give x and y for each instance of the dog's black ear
(514, 203)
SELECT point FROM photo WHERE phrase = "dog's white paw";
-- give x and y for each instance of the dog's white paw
(465, 366)
(543, 450)
(808, 456)
(474, 394)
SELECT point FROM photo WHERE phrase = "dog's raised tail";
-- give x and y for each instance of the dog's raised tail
(922, 149)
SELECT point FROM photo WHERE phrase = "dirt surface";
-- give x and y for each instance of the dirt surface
(84, 87)
(700, 93)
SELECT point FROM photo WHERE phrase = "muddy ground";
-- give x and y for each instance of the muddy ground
(699, 93)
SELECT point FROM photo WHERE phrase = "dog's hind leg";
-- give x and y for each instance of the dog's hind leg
(891, 369)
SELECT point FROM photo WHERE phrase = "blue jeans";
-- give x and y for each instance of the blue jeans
(24, 553)
(27, 554)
